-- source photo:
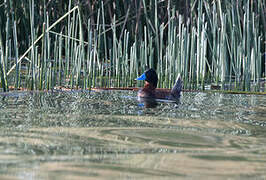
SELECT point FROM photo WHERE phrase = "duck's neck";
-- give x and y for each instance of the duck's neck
(149, 86)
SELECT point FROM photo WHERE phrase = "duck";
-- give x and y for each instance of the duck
(151, 91)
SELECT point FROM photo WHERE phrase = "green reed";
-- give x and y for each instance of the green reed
(219, 43)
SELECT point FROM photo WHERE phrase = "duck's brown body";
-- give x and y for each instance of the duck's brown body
(149, 91)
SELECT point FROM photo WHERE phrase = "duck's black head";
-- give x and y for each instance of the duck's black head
(150, 76)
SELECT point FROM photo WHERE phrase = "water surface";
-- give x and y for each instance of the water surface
(110, 135)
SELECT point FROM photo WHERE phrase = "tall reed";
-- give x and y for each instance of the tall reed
(217, 43)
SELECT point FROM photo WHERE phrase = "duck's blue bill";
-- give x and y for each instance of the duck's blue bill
(142, 77)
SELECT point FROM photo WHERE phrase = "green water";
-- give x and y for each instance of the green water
(110, 135)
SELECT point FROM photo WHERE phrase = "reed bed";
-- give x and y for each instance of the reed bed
(208, 42)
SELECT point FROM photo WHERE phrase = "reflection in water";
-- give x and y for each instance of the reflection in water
(86, 134)
(153, 103)
(148, 102)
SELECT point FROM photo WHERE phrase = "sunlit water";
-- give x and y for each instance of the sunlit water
(110, 135)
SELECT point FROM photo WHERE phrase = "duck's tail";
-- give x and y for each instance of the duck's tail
(176, 90)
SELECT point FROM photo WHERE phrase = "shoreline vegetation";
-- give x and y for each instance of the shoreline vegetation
(80, 44)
